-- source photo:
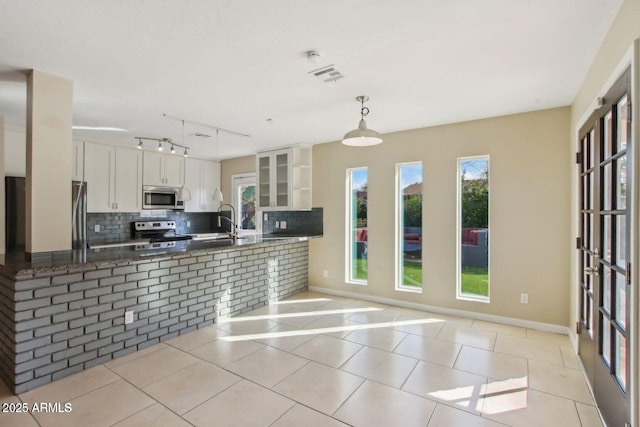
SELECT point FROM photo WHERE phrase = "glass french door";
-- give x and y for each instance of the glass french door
(604, 248)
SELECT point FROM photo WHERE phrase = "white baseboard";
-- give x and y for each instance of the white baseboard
(530, 324)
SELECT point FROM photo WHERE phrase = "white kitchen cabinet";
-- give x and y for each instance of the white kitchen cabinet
(201, 178)
(163, 169)
(114, 178)
(284, 179)
(77, 161)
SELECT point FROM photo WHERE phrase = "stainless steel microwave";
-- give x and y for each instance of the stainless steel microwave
(161, 198)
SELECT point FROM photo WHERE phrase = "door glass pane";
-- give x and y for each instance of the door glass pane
(282, 179)
(607, 137)
(473, 200)
(606, 289)
(621, 182)
(606, 340)
(589, 298)
(358, 232)
(247, 197)
(620, 367)
(606, 187)
(606, 238)
(264, 176)
(621, 240)
(591, 150)
(621, 300)
(621, 124)
(409, 197)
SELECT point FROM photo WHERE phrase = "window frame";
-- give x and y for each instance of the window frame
(459, 294)
(349, 256)
(399, 231)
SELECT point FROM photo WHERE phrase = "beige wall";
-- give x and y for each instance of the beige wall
(529, 213)
(231, 167)
(2, 189)
(48, 202)
(15, 152)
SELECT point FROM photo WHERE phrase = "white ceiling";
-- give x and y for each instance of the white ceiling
(235, 64)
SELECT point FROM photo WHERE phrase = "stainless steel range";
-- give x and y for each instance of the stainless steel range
(161, 234)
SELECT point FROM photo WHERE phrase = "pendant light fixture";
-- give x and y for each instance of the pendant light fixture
(183, 193)
(362, 137)
(217, 194)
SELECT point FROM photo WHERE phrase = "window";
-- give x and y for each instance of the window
(473, 229)
(244, 199)
(357, 241)
(409, 226)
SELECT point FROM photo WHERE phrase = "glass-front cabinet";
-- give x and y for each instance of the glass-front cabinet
(284, 179)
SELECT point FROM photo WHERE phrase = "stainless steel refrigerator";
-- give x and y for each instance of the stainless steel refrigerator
(15, 226)
(79, 215)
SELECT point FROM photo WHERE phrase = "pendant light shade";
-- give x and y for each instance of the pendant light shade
(362, 136)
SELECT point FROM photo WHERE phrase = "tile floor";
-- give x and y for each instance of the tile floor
(319, 360)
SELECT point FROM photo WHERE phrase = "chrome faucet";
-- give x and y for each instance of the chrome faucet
(234, 227)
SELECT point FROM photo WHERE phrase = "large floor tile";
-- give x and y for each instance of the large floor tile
(267, 366)
(375, 404)
(446, 416)
(189, 387)
(559, 381)
(302, 416)
(382, 338)
(243, 404)
(154, 366)
(490, 364)
(559, 339)
(102, 407)
(381, 366)
(589, 416)
(541, 351)
(135, 355)
(222, 352)
(327, 350)
(430, 350)
(319, 387)
(14, 418)
(425, 327)
(245, 325)
(335, 326)
(156, 416)
(569, 357)
(451, 386)
(528, 408)
(371, 317)
(196, 338)
(500, 328)
(72, 386)
(468, 336)
(451, 320)
(284, 337)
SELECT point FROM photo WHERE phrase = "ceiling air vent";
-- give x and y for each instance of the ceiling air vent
(200, 135)
(327, 74)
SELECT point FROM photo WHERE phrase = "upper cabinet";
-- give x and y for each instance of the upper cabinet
(77, 160)
(201, 178)
(284, 179)
(163, 169)
(114, 178)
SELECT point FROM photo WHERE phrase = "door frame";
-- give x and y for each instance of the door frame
(631, 59)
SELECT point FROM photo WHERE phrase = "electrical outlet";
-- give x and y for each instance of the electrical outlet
(266, 216)
(524, 298)
(96, 228)
(283, 225)
(128, 317)
(325, 273)
(188, 224)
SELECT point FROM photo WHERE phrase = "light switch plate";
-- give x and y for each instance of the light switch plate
(277, 224)
(96, 228)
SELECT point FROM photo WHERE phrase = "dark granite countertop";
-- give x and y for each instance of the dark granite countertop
(33, 265)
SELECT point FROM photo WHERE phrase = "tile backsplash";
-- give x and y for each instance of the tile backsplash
(297, 222)
(115, 227)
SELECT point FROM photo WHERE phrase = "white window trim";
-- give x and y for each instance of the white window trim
(348, 233)
(237, 180)
(459, 294)
(399, 234)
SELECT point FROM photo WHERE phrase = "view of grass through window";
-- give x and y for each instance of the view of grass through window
(409, 222)
(473, 279)
(358, 235)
